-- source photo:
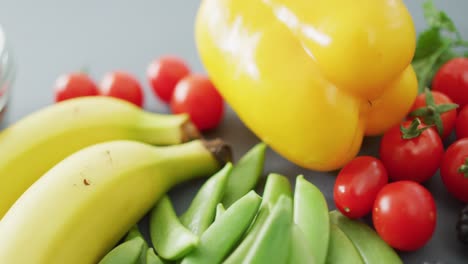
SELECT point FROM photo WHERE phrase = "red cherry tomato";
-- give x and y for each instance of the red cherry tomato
(74, 85)
(164, 73)
(461, 124)
(454, 169)
(357, 185)
(124, 86)
(452, 80)
(439, 106)
(405, 215)
(411, 152)
(197, 96)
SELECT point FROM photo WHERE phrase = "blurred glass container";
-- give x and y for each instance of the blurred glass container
(7, 72)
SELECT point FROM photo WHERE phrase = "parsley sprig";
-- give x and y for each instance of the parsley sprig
(436, 45)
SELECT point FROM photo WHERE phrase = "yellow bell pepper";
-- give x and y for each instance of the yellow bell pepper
(311, 78)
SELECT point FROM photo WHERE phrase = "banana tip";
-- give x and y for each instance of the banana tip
(221, 150)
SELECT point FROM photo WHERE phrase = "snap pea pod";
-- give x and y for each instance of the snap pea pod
(170, 238)
(341, 249)
(201, 212)
(152, 258)
(367, 242)
(220, 210)
(300, 252)
(219, 239)
(135, 232)
(245, 175)
(128, 252)
(276, 185)
(311, 215)
(241, 251)
(272, 243)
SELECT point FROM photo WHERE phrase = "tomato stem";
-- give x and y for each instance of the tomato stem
(413, 129)
(431, 113)
(464, 168)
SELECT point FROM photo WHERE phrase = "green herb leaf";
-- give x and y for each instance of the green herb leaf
(428, 42)
(436, 18)
(436, 45)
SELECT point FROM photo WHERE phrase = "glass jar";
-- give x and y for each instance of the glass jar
(6, 72)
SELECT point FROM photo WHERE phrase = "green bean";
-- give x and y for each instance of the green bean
(201, 212)
(128, 252)
(272, 243)
(152, 258)
(219, 239)
(311, 215)
(276, 185)
(245, 175)
(170, 238)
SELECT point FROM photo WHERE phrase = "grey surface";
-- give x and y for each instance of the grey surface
(51, 37)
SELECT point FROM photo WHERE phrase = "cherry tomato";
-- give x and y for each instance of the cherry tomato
(454, 169)
(124, 86)
(164, 73)
(357, 185)
(435, 108)
(197, 96)
(74, 85)
(411, 151)
(405, 215)
(452, 80)
(461, 124)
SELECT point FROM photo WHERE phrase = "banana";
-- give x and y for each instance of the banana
(34, 144)
(85, 204)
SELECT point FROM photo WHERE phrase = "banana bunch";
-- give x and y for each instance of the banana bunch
(75, 176)
(33, 145)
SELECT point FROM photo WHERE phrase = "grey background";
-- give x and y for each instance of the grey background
(51, 37)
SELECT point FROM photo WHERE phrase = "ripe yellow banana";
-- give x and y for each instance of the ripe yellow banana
(37, 142)
(80, 208)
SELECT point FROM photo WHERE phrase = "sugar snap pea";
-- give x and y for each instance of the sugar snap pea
(202, 210)
(220, 237)
(128, 252)
(272, 243)
(135, 232)
(152, 258)
(300, 252)
(367, 242)
(170, 238)
(245, 175)
(220, 210)
(311, 215)
(341, 249)
(275, 186)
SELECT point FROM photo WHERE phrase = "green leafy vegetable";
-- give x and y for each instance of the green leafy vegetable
(436, 45)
